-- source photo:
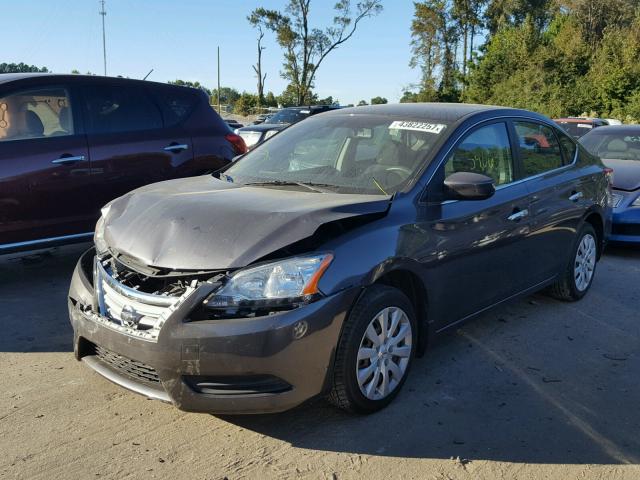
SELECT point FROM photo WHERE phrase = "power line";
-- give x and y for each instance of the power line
(103, 13)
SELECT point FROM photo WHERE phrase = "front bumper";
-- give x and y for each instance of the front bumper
(295, 348)
(625, 225)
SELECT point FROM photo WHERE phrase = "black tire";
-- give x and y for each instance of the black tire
(565, 287)
(345, 392)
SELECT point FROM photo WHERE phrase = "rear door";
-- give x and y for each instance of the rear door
(481, 257)
(45, 186)
(128, 143)
(557, 194)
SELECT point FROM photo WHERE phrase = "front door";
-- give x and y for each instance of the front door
(45, 188)
(480, 256)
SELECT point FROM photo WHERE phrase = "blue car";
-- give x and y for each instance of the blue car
(619, 148)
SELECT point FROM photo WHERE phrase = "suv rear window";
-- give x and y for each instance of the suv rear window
(176, 103)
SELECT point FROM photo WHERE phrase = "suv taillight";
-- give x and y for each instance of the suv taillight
(236, 141)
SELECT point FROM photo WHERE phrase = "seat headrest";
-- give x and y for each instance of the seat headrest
(33, 124)
(617, 145)
(65, 119)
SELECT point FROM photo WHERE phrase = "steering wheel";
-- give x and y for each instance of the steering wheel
(398, 170)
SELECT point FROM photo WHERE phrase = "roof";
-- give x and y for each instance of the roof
(448, 112)
(12, 77)
(613, 129)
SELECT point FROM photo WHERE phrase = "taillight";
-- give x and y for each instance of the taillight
(236, 141)
(608, 173)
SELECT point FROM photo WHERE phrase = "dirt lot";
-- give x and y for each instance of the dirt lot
(534, 389)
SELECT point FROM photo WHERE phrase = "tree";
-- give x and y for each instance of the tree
(187, 83)
(362, 103)
(325, 101)
(246, 104)
(257, 22)
(504, 13)
(21, 68)
(228, 96)
(305, 47)
(378, 101)
(434, 35)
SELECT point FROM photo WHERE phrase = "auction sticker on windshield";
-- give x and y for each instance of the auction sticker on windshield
(417, 126)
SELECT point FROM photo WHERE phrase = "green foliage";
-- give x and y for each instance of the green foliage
(187, 83)
(246, 104)
(228, 96)
(21, 68)
(558, 70)
(378, 101)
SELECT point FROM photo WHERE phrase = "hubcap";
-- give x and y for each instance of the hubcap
(585, 262)
(384, 353)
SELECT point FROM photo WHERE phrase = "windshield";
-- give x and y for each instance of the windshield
(289, 115)
(614, 146)
(372, 154)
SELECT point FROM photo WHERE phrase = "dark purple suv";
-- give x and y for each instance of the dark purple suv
(71, 143)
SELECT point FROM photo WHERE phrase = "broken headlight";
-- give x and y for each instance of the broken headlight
(274, 286)
(98, 237)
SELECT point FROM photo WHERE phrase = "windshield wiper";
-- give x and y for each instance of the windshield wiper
(308, 185)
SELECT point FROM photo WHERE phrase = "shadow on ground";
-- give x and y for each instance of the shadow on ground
(535, 381)
(33, 300)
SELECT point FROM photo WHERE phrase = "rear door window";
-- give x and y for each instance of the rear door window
(117, 108)
(486, 151)
(38, 113)
(539, 148)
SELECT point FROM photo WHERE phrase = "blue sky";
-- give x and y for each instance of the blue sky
(178, 39)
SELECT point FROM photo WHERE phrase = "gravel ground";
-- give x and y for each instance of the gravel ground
(534, 389)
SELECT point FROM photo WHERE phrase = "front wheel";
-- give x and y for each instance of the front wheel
(577, 278)
(375, 351)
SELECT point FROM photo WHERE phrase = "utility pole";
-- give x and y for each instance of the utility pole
(103, 13)
(219, 106)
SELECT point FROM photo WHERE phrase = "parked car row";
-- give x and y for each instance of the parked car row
(259, 132)
(619, 149)
(579, 126)
(323, 260)
(69, 144)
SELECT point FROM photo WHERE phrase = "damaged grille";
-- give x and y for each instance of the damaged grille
(126, 366)
(136, 304)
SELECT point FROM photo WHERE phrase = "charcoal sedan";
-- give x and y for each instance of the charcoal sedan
(619, 148)
(324, 260)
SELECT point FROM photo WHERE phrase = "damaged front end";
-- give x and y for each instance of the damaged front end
(137, 300)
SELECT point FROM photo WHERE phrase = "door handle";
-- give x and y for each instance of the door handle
(68, 159)
(519, 215)
(575, 196)
(175, 147)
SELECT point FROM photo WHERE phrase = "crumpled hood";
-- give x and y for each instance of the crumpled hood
(203, 223)
(626, 173)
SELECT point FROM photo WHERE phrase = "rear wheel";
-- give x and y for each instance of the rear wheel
(375, 351)
(577, 278)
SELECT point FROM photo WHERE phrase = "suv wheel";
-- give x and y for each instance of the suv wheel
(375, 351)
(577, 278)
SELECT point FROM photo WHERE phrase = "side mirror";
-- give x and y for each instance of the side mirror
(468, 186)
